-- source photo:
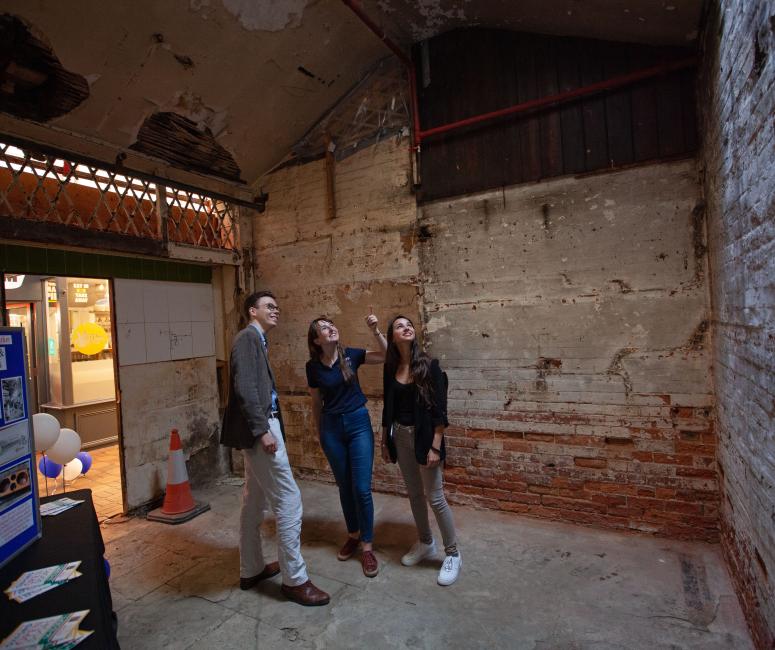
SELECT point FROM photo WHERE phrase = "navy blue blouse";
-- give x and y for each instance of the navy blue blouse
(338, 396)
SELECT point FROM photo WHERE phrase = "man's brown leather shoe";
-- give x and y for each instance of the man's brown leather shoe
(306, 594)
(269, 571)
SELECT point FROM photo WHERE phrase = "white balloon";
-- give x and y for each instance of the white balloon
(66, 447)
(73, 469)
(46, 429)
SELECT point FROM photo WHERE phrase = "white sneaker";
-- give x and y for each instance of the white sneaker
(419, 552)
(450, 570)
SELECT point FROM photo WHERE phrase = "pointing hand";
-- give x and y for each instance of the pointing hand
(371, 320)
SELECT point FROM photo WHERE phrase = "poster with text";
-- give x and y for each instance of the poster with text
(19, 512)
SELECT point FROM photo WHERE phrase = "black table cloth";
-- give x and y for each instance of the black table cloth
(67, 537)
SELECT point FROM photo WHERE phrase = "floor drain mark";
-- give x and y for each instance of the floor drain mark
(696, 591)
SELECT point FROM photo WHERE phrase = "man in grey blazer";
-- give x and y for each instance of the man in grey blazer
(252, 423)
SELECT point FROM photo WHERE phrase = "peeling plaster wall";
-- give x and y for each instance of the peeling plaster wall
(156, 397)
(572, 319)
(571, 315)
(167, 378)
(737, 104)
(339, 267)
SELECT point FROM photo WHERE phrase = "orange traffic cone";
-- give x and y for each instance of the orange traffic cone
(179, 504)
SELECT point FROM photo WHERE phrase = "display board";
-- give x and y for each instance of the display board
(19, 512)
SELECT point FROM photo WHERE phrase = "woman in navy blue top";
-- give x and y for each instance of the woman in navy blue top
(343, 424)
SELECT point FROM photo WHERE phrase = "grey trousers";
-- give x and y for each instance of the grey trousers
(424, 483)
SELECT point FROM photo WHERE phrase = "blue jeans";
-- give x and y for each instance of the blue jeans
(348, 442)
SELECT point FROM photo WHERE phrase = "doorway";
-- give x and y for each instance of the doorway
(68, 325)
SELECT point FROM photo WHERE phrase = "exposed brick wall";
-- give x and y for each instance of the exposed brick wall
(572, 319)
(574, 334)
(737, 102)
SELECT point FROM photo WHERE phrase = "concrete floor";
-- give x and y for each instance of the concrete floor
(525, 584)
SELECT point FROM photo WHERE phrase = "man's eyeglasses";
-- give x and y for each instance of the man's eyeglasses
(271, 307)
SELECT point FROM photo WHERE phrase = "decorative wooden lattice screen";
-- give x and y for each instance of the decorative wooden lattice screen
(43, 187)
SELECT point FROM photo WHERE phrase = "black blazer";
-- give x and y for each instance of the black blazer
(250, 392)
(425, 419)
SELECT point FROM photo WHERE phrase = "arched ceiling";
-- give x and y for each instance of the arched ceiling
(244, 80)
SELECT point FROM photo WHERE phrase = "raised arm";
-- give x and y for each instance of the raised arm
(375, 356)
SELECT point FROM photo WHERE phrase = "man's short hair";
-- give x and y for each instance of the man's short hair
(253, 298)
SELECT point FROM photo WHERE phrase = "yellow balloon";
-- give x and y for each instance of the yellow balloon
(89, 338)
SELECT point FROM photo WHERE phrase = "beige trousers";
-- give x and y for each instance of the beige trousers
(269, 481)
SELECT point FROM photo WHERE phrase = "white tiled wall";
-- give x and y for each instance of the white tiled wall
(163, 321)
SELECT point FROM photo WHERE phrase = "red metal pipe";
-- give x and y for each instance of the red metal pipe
(358, 11)
(419, 135)
(559, 98)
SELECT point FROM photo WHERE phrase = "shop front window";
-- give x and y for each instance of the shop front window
(91, 345)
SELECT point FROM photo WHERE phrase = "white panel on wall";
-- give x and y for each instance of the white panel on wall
(169, 320)
(203, 337)
(157, 342)
(155, 302)
(179, 296)
(180, 340)
(129, 301)
(131, 343)
(201, 303)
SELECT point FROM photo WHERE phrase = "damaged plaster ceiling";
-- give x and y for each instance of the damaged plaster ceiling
(251, 76)
(652, 22)
(226, 88)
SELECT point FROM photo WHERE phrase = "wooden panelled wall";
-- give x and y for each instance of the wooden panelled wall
(473, 71)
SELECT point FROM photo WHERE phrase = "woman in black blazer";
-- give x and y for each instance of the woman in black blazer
(413, 422)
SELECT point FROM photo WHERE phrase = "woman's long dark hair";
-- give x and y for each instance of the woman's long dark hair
(419, 364)
(316, 351)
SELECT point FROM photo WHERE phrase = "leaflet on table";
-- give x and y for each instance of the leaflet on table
(60, 505)
(53, 633)
(33, 583)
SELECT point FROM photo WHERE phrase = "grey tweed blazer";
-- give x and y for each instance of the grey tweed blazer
(250, 391)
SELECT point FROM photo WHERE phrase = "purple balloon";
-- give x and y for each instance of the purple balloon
(86, 460)
(49, 468)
